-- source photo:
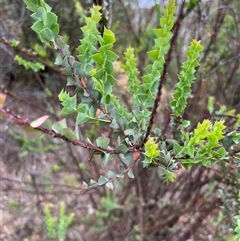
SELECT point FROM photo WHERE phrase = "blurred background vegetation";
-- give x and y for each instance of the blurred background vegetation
(45, 172)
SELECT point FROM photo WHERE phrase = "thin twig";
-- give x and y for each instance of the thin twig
(136, 38)
(30, 54)
(27, 102)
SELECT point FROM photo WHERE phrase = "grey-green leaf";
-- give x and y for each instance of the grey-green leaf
(121, 148)
(31, 5)
(102, 180)
(126, 158)
(102, 142)
(38, 26)
(67, 132)
(46, 35)
(105, 158)
(111, 174)
(59, 125)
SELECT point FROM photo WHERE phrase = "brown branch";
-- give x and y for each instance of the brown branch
(40, 185)
(30, 54)
(40, 191)
(164, 73)
(21, 121)
(140, 207)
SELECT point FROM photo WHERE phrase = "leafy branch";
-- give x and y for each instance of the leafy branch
(134, 137)
(36, 125)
